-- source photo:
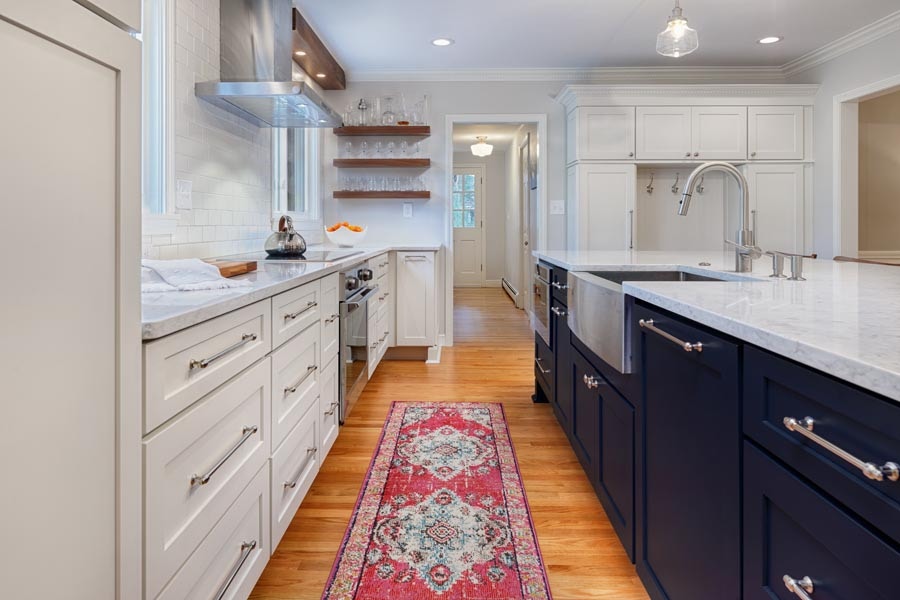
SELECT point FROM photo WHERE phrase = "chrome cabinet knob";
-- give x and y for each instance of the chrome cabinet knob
(590, 382)
(630, 154)
(696, 154)
(688, 155)
(557, 311)
(799, 587)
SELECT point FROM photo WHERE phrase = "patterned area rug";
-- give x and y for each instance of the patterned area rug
(442, 513)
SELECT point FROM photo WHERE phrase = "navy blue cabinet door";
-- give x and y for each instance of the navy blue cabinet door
(792, 530)
(689, 445)
(585, 436)
(562, 347)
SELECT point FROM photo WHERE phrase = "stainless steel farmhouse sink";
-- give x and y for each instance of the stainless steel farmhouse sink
(599, 315)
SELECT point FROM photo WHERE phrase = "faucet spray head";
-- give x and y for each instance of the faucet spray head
(684, 204)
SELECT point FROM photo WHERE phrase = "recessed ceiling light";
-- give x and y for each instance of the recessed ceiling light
(442, 42)
(320, 75)
(300, 53)
(771, 39)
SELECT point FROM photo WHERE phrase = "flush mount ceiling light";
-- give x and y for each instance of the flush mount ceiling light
(678, 39)
(320, 75)
(772, 39)
(300, 53)
(442, 42)
(482, 148)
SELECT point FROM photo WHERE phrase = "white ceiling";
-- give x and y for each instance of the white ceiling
(499, 135)
(370, 35)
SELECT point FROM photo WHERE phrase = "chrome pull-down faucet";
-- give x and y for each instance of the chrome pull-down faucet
(745, 247)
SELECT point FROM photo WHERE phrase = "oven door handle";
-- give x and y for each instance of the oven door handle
(363, 299)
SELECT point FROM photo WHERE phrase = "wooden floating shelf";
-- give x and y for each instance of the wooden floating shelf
(381, 194)
(396, 130)
(385, 163)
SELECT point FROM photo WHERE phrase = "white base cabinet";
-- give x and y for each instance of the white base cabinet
(416, 314)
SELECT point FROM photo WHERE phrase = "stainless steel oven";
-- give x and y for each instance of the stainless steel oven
(540, 315)
(354, 353)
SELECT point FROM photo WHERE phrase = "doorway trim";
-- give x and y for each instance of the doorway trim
(538, 119)
(482, 170)
(845, 167)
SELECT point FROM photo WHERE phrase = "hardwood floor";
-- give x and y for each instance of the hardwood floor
(492, 361)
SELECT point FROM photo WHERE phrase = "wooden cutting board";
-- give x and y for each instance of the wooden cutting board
(233, 268)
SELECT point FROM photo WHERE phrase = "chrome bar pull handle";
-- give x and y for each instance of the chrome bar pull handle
(292, 316)
(247, 548)
(560, 286)
(332, 318)
(557, 311)
(543, 371)
(805, 427)
(591, 382)
(205, 362)
(802, 588)
(334, 405)
(292, 484)
(247, 433)
(293, 388)
(687, 346)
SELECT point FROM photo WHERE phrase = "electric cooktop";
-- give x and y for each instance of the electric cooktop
(308, 256)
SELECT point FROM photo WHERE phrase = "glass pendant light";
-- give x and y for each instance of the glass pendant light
(678, 39)
(482, 148)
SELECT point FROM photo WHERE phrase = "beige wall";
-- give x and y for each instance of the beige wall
(879, 174)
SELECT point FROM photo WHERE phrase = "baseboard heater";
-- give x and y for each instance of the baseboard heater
(513, 292)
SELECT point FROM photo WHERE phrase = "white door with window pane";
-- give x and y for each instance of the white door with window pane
(468, 251)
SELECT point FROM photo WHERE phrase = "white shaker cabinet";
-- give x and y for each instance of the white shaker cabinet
(719, 133)
(416, 315)
(775, 132)
(777, 206)
(601, 133)
(70, 356)
(663, 132)
(602, 201)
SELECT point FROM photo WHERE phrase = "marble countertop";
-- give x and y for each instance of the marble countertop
(840, 320)
(165, 313)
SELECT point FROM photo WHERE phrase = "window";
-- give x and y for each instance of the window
(296, 168)
(154, 42)
(464, 205)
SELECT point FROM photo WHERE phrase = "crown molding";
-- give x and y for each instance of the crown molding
(572, 96)
(606, 75)
(843, 45)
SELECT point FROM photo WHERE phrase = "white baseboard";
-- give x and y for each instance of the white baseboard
(492, 283)
(882, 255)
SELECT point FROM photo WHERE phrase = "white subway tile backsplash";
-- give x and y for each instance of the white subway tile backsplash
(227, 159)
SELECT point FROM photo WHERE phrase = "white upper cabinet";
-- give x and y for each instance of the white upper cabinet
(775, 132)
(719, 132)
(603, 200)
(777, 206)
(663, 132)
(601, 133)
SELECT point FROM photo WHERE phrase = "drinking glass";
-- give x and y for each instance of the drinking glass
(379, 148)
(388, 117)
(364, 149)
(390, 149)
(404, 148)
(348, 149)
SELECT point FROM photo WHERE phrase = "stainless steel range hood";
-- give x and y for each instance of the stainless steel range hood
(257, 70)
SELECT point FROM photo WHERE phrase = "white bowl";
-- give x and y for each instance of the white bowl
(345, 238)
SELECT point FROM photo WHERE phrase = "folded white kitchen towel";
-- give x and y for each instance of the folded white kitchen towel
(184, 275)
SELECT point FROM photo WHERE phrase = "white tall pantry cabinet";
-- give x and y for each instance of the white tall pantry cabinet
(614, 130)
(70, 511)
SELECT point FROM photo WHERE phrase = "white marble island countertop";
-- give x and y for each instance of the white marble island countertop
(168, 312)
(841, 320)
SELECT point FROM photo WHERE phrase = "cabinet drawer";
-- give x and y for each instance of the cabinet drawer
(543, 366)
(294, 467)
(382, 299)
(181, 368)
(791, 529)
(382, 332)
(328, 408)
(295, 382)
(380, 265)
(559, 283)
(331, 317)
(195, 468)
(857, 422)
(232, 557)
(294, 311)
